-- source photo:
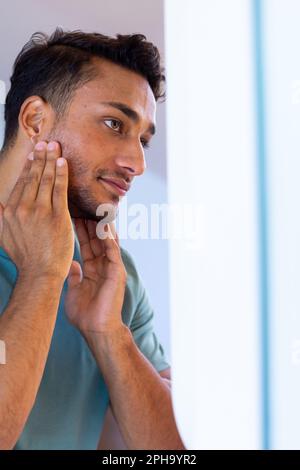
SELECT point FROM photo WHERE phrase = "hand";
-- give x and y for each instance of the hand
(35, 225)
(95, 294)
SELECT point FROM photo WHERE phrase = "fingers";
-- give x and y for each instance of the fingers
(17, 192)
(96, 245)
(60, 189)
(114, 232)
(91, 246)
(47, 179)
(43, 180)
(75, 275)
(112, 249)
(32, 181)
(84, 240)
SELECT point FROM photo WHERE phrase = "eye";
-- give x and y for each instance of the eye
(116, 125)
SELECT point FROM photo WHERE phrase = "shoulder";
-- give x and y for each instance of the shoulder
(134, 287)
(133, 278)
(128, 262)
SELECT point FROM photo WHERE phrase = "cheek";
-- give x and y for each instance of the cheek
(79, 139)
(88, 145)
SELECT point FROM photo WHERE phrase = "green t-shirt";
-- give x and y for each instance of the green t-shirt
(72, 399)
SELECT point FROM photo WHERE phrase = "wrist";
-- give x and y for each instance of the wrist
(108, 339)
(33, 278)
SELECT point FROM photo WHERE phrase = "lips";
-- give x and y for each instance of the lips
(121, 183)
(119, 186)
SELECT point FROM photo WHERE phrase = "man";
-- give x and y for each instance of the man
(74, 315)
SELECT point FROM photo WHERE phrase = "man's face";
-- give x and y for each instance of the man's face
(103, 142)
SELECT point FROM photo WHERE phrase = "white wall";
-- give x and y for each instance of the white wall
(282, 70)
(19, 19)
(215, 314)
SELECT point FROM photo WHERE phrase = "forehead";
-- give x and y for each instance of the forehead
(116, 83)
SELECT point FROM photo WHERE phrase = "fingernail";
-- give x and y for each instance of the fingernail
(30, 156)
(40, 146)
(60, 161)
(51, 146)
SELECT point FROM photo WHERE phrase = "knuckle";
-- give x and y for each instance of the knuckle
(38, 163)
(41, 211)
(20, 181)
(47, 179)
(34, 178)
(60, 179)
(59, 217)
(59, 187)
(22, 212)
(8, 212)
(29, 179)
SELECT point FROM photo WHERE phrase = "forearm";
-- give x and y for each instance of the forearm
(140, 399)
(26, 327)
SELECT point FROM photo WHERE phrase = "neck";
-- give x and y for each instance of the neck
(11, 165)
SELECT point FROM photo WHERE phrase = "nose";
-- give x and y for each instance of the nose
(131, 158)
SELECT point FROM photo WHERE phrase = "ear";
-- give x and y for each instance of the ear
(36, 118)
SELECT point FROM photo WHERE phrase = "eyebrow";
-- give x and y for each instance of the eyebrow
(129, 112)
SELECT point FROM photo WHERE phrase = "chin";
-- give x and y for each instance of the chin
(82, 211)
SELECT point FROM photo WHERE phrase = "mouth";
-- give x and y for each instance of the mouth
(116, 186)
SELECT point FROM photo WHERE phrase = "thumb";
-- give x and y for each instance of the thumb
(75, 275)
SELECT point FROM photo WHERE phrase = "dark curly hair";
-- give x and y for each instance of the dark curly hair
(53, 67)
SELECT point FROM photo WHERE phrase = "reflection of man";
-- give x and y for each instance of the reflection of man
(93, 98)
